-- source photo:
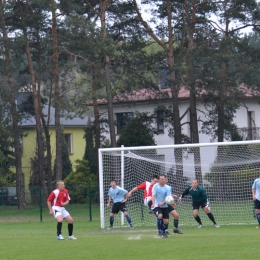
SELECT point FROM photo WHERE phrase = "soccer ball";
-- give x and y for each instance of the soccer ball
(169, 200)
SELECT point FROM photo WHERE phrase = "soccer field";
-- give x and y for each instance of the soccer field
(25, 237)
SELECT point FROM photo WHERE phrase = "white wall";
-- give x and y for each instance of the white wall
(240, 119)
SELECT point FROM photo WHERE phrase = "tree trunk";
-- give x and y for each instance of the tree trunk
(221, 105)
(18, 155)
(40, 147)
(95, 74)
(111, 123)
(190, 21)
(48, 166)
(56, 94)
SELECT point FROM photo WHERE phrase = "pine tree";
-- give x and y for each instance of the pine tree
(136, 134)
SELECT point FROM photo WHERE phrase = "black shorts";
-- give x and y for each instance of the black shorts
(197, 205)
(164, 211)
(257, 204)
(118, 206)
(170, 208)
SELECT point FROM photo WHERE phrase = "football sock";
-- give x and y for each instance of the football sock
(129, 220)
(70, 228)
(258, 218)
(211, 217)
(59, 226)
(198, 220)
(175, 223)
(111, 221)
(159, 224)
(164, 227)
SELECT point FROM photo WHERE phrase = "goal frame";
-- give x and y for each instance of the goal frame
(122, 149)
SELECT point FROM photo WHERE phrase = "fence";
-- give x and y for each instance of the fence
(84, 203)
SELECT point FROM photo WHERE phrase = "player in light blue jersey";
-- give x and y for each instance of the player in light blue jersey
(160, 208)
(119, 197)
(256, 198)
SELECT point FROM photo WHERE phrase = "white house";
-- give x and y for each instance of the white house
(247, 116)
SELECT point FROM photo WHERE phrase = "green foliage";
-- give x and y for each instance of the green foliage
(135, 134)
(66, 163)
(7, 177)
(79, 180)
(90, 151)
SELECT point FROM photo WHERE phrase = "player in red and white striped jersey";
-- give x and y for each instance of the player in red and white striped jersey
(56, 202)
(147, 187)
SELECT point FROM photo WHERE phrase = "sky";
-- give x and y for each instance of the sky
(147, 17)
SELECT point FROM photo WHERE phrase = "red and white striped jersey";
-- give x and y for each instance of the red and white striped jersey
(58, 196)
(147, 187)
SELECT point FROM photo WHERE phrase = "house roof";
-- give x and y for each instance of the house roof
(146, 95)
(68, 122)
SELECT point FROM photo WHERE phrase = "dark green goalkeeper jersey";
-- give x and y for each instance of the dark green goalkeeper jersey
(197, 195)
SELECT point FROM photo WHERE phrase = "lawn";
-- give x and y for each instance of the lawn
(24, 236)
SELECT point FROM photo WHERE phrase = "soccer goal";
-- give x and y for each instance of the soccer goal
(225, 170)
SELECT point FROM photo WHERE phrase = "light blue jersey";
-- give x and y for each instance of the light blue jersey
(256, 187)
(160, 194)
(170, 188)
(117, 194)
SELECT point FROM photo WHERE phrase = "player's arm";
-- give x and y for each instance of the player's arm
(253, 193)
(126, 195)
(49, 207)
(204, 194)
(132, 191)
(141, 186)
(153, 201)
(184, 193)
(108, 202)
(65, 203)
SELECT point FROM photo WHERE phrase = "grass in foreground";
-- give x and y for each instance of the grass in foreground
(24, 237)
(32, 240)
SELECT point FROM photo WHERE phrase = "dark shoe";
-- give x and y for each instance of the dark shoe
(176, 230)
(164, 236)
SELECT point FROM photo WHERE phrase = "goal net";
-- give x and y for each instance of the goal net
(225, 170)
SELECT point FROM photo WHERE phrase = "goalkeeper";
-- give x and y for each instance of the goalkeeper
(199, 199)
(147, 187)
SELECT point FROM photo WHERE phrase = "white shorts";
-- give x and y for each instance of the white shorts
(60, 211)
(146, 200)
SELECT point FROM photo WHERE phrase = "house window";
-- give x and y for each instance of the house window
(160, 122)
(122, 119)
(68, 141)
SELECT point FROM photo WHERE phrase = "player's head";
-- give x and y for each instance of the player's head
(194, 184)
(113, 183)
(162, 179)
(60, 185)
(154, 179)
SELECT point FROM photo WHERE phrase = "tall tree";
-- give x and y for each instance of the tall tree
(165, 10)
(23, 9)
(227, 72)
(12, 98)
(58, 160)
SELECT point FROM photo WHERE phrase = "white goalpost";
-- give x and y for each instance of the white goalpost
(225, 170)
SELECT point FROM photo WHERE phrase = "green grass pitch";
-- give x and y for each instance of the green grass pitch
(24, 237)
